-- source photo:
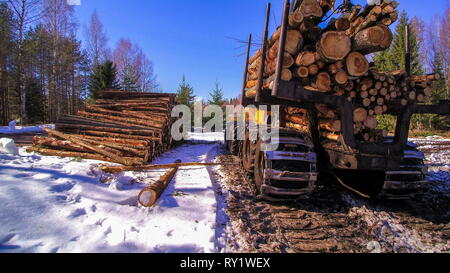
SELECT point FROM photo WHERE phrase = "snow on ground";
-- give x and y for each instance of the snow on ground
(13, 129)
(51, 204)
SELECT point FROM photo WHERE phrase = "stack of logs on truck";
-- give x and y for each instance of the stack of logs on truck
(128, 128)
(332, 59)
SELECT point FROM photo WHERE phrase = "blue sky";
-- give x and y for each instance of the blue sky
(191, 36)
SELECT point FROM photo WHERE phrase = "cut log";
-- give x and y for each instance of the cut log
(286, 74)
(311, 9)
(295, 19)
(341, 77)
(302, 72)
(323, 82)
(305, 58)
(288, 60)
(357, 65)
(330, 125)
(360, 115)
(313, 69)
(150, 195)
(294, 41)
(334, 46)
(373, 39)
(60, 153)
(371, 122)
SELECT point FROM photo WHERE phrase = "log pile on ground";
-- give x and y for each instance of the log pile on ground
(128, 128)
(332, 60)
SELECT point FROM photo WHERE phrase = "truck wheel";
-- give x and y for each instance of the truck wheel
(259, 166)
(248, 154)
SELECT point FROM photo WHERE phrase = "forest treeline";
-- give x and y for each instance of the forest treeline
(47, 72)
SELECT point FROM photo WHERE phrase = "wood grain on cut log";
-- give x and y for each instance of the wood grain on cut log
(373, 39)
(311, 9)
(357, 64)
(294, 41)
(323, 82)
(360, 115)
(313, 69)
(341, 77)
(305, 58)
(302, 72)
(295, 19)
(288, 60)
(334, 46)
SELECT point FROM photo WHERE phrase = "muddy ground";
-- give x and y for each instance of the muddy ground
(332, 220)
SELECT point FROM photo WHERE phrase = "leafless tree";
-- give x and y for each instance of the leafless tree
(96, 40)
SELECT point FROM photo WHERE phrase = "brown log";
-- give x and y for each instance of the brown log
(334, 46)
(373, 39)
(371, 122)
(330, 125)
(305, 58)
(323, 82)
(78, 141)
(357, 65)
(313, 69)
(311, 9)
(302, 72)
(325, 111)
(360, 115)
(60, 153)
(150, 195)
(341, 77)
(119, 169)
(294, 41)
(286, 74)
(295, 19)
(288, 60)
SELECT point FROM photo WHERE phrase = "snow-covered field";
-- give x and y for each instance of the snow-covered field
(13, 129)
(51, 204)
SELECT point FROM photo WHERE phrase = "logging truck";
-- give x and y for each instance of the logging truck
(330, 97)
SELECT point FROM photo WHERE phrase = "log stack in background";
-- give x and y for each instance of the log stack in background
(128, 128)
(333, 59)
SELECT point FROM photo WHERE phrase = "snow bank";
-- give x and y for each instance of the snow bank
(8, 146)
(13, 129)
(51, 204)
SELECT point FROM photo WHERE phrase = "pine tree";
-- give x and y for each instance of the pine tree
(103, 78)
(216, 96)
(185, 93)
(394, 57)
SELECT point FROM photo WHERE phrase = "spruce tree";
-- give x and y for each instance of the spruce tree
(394, 57)
(216, 96)
(185, 93)
(103, 78)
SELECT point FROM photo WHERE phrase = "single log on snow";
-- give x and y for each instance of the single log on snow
(148, 196)
(334, 46)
